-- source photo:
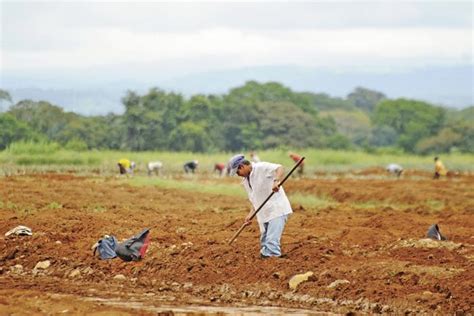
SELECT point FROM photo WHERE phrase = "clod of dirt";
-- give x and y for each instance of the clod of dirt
(337, 283)
(299, 278)
(16, 269)
(43, 265)
(120, 277)
(9, 256)
(279, 275)
(428, 243)
(88, 270)
(75, 273)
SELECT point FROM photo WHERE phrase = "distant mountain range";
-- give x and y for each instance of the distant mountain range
(447, 86)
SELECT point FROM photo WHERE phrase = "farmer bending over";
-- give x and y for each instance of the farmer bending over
(259, 180)
(395, 169)
(190, 166)
(296, 158)
(220, 168)
(126, 166)
(154, 166)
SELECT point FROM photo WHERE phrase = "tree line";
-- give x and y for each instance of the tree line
(249, 117)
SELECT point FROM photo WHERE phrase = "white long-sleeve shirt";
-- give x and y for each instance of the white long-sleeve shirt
(394, 168)
(259, 186)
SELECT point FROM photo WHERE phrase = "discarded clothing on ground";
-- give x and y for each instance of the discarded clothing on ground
(132, 249)
(434, 233)
(135, 247)
(106, 247)
(19, 230)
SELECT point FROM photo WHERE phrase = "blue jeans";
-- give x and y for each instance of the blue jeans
(271, 235)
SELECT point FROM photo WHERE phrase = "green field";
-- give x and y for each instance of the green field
(26, 157)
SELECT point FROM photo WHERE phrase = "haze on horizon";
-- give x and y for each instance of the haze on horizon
(93, 45)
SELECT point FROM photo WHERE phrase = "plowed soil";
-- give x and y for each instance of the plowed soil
(369, 237)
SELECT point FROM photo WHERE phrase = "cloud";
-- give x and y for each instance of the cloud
(157, 16)
(337, 47)
(210, 36)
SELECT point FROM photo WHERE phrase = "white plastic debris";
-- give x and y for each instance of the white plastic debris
(19, 230)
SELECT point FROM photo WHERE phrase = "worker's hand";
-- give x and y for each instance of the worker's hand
(276, 186)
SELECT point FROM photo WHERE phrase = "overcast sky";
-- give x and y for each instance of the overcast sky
(203, 36)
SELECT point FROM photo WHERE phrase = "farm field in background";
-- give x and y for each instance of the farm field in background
(357, 229)
(28, 157)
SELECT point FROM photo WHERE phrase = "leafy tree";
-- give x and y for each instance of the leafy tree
(466, 130)
(354, 125)
(134, 121)
(338, 142)
(324, 102)
(253, 116)
(198, 109)
(444, 141)
(14, 130)
(412, 120)
(284, 124)
(268, 115)
(240, 126)
(190, 136)
(111, 132)
(241, 129)
(76, 145)
(150, 120)
(4, 97)
(454, 117)
(365, 99)
(101, 132)
(252, 92)
(461, 123)
(163, 112)
(207, 112)
(383, 136)
(43, 117)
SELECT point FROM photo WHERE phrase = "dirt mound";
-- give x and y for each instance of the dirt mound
(449, 195)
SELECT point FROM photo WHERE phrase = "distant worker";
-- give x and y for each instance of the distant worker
(296, 158)
(220, 168)
(254, 157)
(126, 166)
(440, 170)
(395, 169)
(154, 167)
(191, 166)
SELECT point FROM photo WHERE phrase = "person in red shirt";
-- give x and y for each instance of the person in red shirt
(220, 168)
(296, 158)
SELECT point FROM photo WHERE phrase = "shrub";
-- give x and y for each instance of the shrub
(76, 145)
(33, 148)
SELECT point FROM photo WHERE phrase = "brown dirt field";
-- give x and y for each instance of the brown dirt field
(370, 235)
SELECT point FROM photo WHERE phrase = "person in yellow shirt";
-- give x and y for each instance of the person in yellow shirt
(126, 166)
(440, 170)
